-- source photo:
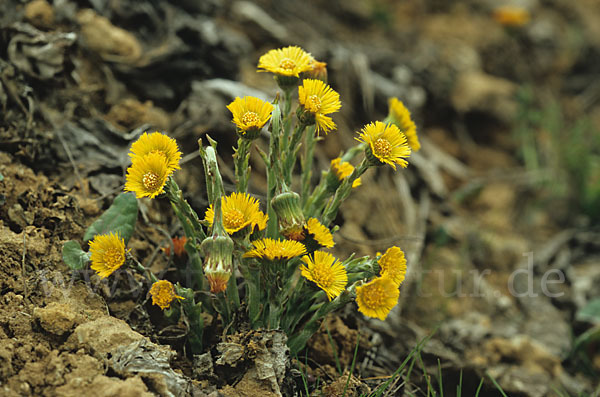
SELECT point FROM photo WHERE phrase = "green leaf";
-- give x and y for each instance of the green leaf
(590, 312)
(120, 218)
(1, 177)
(74, 256)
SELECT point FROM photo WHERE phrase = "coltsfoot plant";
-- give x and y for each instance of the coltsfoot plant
(265, 264)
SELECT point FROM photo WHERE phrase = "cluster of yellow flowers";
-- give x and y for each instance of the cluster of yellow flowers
(156, 156)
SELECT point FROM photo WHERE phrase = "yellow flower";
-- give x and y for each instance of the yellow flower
(400, 116)
(157, 142)
(343, 170)
(325, 271)
(511, 15)
(386, 144)
(275, 249)
(107, 253)
(318, 70)
(320, 233)
(147, 175)
(163, 293)
(288, 61)
(393, 265)
(377, 298)
(319, 99)
(250, 113)
(239, 211)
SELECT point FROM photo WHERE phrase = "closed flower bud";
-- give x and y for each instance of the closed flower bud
(289, 214)
(218, 266)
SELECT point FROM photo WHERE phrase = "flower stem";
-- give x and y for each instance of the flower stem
(191, 227)
(307, 162)
(242, 171)
(291, 152)
(193, 312)
(342, 193)
(273, 169)
(297, 341)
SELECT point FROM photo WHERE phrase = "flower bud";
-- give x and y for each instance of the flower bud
(289, 214)
(218, 264)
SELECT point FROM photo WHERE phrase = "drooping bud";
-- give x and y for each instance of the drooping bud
(289, 215)
(218, 262)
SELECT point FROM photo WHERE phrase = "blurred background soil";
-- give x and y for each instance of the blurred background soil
(507, 104)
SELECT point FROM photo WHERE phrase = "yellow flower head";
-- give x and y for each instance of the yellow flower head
(400, 116)
(343, 170)
(377, 298)
(163, 293)
(319, 99)
(386, 144)
(239, 211)
(324, 270)
(318, 70)
(393, 265)
(511, 16)
(107, 253)
(250, 113)
(320, 233)
(275, 249)
(147, 175)
(157, 142)
(288, 61)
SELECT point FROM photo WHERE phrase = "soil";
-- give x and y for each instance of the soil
(80, 80)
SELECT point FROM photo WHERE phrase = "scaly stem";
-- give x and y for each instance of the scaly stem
(242, 171)
(273, 169)
(290, 153)
(191, 227)
(307, 162)
(193, 312)
(253, 293)
(342, 192)
(286, 116)
(186, 215)
(297, 341)
(326, 188)
(145, 271)
(233, 294)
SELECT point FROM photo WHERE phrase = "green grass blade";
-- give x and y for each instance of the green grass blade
(352, 364)
(440, 378)
(430, 388)
(497, 385)
(412, 353)
(479, 388)
(338, 366)
(304, 378)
